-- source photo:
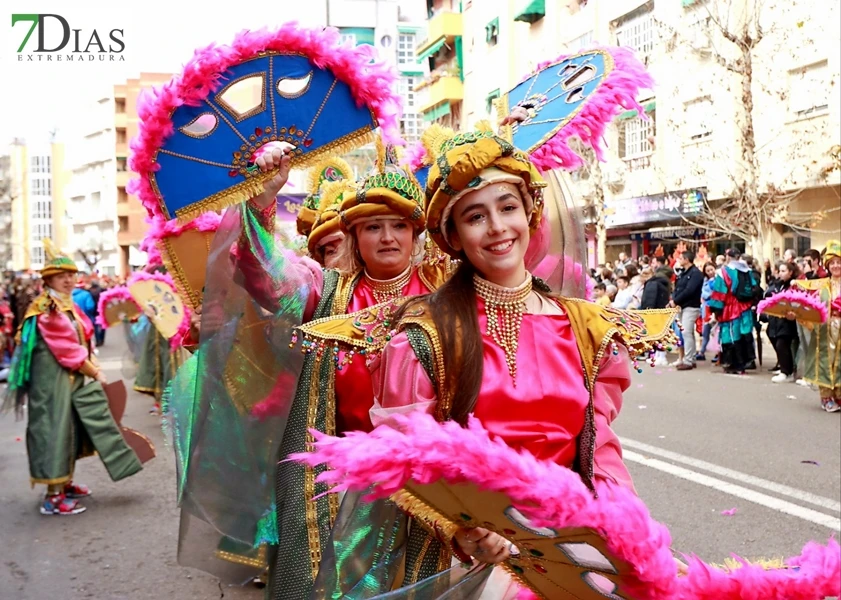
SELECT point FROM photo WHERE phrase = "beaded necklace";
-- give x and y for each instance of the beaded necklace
(386, 290)
(504, 308)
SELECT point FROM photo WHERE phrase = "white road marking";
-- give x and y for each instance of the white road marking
(782, 506)
(764, 484)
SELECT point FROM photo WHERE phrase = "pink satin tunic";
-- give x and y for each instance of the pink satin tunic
(354, 390)
(544, 413)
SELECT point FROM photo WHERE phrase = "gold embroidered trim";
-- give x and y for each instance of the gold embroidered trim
(199, 136)
(431, 519)
(444, 398)
(173, 266)
(419, 562)
(239, 117)
(311, 508)
(259, 562)
(245, 190)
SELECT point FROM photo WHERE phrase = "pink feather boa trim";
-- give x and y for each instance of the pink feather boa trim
(414, 157)
(617, 92)
(370, 78)
(115, 294)
(177, 340)
(809, 299)
(422, 450)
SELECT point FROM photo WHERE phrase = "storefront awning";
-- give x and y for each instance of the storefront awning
(436, 112)
(533, 12)
(630, 114)
(431, 50)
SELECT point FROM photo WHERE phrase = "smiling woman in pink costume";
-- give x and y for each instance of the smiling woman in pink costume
(496, 343)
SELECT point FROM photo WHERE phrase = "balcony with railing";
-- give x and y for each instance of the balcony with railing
(445, 89)
(443, 27)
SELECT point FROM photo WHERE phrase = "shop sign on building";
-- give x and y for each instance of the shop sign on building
(659, 207)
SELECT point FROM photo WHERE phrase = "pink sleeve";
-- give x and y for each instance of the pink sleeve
(400, 382)
(614, 378)
(62, 339)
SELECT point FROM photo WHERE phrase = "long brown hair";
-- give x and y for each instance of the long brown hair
(452, 308)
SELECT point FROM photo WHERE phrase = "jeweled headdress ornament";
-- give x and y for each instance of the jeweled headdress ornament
(327, 170)
(328, 222)
(389, 191)
(199, 133)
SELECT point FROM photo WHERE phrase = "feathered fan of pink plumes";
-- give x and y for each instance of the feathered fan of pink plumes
(420, 449)
(414, 157)
(802, 297)
(371, 81)
(617, 92)
(116, 294)
(177, 340)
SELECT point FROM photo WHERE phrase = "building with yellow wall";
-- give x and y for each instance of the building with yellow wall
(38, 178)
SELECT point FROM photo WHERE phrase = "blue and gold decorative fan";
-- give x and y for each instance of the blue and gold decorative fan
(574, 96)
(198, 135)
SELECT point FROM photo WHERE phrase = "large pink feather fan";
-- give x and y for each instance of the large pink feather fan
(111, 296)
(371, 81)
(177, 340)
(618, 92)
(420, 449)
(796, 300)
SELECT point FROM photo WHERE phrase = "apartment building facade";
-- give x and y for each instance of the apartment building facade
(36, 201)
(662, 167)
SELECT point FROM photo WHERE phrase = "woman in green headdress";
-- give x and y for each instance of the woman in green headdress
(68, 414)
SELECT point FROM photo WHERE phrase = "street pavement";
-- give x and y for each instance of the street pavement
(732, 464)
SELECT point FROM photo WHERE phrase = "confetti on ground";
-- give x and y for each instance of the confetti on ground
(730, 512)
(658, 372)
(639, 385)
(792, 397)
(662, 437)
(811, 462)
(17, 439)
(643, 407)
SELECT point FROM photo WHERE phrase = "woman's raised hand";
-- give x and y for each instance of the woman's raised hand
(273, 156)
(485, 546)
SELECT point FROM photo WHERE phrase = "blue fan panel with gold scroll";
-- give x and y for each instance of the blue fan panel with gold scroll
(422, 175)
(272, 97)
(556, 93)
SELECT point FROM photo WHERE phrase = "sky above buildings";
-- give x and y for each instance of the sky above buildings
(158, 36)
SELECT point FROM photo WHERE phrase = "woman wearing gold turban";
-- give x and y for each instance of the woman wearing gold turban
(54, 367)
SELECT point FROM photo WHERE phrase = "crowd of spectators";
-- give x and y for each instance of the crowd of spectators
(19, 289)
(687, 282)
